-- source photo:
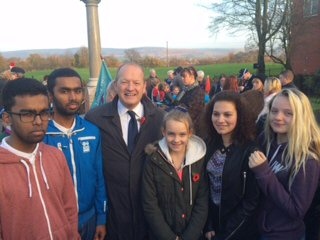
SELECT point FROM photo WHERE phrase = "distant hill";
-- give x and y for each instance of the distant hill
(159, 52)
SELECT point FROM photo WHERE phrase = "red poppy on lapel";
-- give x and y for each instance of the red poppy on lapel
(142, 120)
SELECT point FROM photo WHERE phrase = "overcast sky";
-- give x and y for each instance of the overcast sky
(45, 24)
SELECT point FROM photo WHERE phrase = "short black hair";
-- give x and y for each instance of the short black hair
(21, 87)
(18, 70)
(242, 72)
(60, 72)
(190, 70)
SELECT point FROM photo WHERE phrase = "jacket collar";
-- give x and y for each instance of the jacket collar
(196, 150)
(78, 127)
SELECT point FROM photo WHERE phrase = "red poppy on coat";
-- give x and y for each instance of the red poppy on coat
(196, 177)
(142, 120)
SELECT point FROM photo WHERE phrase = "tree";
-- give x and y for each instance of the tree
(3, 63)
(278, 48)
(132, 55)
(150, 61)
(112, 61)
(81, 58)
(262, 19)
(35, 61)
(76, 60)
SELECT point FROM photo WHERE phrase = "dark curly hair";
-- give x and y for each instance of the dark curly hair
(245, 129)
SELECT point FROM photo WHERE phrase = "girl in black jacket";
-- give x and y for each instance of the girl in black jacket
(174, 189)
(234, 193)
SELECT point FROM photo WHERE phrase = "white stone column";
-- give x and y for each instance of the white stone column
(94, 46)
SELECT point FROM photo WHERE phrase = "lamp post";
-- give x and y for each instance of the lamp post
(94, 46)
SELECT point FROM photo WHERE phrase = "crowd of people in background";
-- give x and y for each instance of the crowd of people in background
(187, 157)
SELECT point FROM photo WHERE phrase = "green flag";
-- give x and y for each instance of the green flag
(101, 91)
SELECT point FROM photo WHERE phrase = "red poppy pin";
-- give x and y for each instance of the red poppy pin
(142, 120)
(196, 177)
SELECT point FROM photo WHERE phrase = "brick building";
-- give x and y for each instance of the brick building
(305, 42)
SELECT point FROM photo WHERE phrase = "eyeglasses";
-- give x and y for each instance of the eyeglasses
(28, 117)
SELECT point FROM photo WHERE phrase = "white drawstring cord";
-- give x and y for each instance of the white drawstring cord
(43, 172)
(28, 173)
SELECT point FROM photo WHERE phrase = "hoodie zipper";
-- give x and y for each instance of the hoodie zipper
(244, 183)
(243, 192)
(235, 230)
(220, 206)
(42, 200)
(74, 170)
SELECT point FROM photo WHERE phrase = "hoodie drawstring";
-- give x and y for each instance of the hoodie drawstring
(24, 162)
(28, 173)
(43, 172)
(190, 185)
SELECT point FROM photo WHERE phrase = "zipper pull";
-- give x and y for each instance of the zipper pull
(244, 183)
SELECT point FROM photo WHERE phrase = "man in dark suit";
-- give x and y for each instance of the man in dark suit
(123, 166)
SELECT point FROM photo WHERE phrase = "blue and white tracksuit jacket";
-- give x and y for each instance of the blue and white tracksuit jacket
(82, 149)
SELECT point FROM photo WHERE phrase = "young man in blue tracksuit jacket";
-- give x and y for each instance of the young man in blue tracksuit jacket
(80, 142)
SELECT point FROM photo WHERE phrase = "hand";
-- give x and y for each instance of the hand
(210, 235)
(256, 158)
(101, 232)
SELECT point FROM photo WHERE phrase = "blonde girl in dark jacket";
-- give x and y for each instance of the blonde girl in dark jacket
(174, 188)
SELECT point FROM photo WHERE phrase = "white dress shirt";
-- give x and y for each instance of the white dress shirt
(125, 118)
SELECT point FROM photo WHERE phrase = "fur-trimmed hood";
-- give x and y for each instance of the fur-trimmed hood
(196, 149)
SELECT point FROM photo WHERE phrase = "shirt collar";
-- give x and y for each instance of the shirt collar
(64, 129)
(123, 110)
(17, 152)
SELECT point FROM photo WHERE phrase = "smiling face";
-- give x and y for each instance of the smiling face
(224, 118)
(177, 135)
(130, 85)
(280, 117)
(25, 135)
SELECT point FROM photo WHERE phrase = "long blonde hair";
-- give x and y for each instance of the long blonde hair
(303, 134)
(272, 85)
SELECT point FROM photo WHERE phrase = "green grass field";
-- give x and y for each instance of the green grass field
(213, 70)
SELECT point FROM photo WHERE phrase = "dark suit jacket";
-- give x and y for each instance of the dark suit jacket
(122, 171)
